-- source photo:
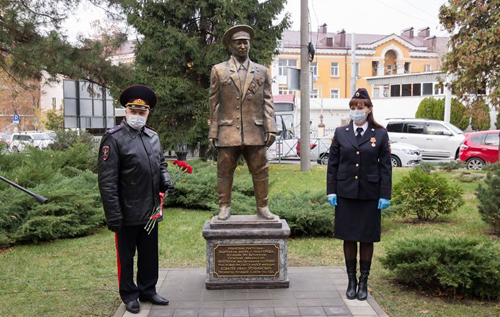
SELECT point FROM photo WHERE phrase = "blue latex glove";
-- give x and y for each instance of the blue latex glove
(332, 200)
(383, 203)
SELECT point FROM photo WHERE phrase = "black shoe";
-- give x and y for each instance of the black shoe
(155, 300)
(133, 306)
(364, 268)
(351, 274)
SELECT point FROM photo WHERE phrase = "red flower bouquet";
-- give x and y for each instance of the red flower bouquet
(157, 214)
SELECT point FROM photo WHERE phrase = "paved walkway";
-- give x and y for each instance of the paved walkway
(314, 291)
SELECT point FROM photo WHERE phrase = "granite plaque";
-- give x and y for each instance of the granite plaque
(246, 260)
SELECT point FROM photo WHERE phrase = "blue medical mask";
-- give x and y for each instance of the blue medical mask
(358, 116)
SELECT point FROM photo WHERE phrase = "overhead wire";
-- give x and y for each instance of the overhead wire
(402, 12)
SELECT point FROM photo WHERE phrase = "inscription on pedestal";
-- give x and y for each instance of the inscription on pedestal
(246, 260)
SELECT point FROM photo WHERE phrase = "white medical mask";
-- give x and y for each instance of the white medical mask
(358, 116)
(136, 122)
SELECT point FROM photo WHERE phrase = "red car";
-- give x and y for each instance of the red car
(479, 148)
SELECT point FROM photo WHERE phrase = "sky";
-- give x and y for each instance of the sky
(358, 16)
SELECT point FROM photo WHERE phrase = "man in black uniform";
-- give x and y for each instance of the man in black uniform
(132, 173)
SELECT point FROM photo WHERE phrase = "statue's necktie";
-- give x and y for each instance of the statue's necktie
(242, 74)
(358, 136)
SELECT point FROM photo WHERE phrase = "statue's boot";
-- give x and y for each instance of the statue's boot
(261, 189)
(224, 187)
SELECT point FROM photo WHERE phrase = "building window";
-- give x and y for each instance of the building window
(407, 68)
(356, 69)
(334, 93)
(427, 67)
(314, 93)
(406, 91)
(374, 68)
(313, 68)
(285, 91)
(376, 92)
(417, 91)
(54, 105)
(334, 69)
(284, 63)
(438, 89)
(389, 70)
(395, 90)
(427, 89)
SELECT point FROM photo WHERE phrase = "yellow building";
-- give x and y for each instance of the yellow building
(375, 55)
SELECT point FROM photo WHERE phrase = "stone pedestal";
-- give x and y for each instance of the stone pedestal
(246, 252)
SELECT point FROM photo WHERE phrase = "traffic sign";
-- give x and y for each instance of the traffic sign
(16, 118)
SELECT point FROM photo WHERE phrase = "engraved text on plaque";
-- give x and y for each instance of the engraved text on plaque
(232, 260)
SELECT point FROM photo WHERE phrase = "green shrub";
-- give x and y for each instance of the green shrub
(66, 139)
(489, 199)
(456, 266)
(74, 210)
(425, 167)
(426, 195)
(431, 108)
(61, 176)
(451, 166)
(307, 213)
(468, 177)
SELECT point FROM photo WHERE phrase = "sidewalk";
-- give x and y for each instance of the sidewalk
(314, 291)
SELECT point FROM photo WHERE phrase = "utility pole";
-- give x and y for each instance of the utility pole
(353, 64)
(305, 153)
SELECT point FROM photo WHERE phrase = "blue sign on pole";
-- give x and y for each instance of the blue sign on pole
(16, 118)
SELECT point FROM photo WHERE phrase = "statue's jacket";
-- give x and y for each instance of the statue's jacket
(240, 117)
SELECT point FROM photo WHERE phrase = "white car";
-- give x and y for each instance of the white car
(20, 141)
(402, 154)
(436, 139)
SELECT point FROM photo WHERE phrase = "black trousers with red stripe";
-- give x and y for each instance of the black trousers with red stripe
(128, 239)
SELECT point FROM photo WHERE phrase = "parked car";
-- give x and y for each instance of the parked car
(436, 139)
(402, 154)
(20, 141)
(479, 148)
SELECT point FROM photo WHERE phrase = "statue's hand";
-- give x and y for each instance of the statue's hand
(212, 143)
(270, 138)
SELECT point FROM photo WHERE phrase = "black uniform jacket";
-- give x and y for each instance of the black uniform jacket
(132, 173)
(361, 171)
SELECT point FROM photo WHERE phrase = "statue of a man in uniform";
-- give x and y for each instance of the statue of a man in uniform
(241, 119)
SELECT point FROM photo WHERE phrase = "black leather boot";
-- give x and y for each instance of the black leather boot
(364, 268)
(353, 282)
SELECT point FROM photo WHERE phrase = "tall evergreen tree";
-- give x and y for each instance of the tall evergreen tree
(31, 42)
(180, 41)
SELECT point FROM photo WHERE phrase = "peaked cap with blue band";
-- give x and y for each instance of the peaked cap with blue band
(138, 97)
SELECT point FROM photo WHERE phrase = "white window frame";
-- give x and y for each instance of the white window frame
(356, 69)
(282, 69)
(314, 93)
(334, 69)
(337, 93)
(313, 68)
(427, 67)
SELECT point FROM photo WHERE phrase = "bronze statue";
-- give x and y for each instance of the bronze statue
(241, 119)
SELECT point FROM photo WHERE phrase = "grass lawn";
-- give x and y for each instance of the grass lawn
(77, 277)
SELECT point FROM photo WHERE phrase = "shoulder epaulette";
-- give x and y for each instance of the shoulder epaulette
(114, 129)
(150, 128)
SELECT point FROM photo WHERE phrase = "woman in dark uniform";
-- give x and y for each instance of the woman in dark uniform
(359, 178)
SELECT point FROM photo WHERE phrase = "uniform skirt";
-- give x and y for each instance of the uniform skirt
(357, 220)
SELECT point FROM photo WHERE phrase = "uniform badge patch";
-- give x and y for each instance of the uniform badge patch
(105, 152)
